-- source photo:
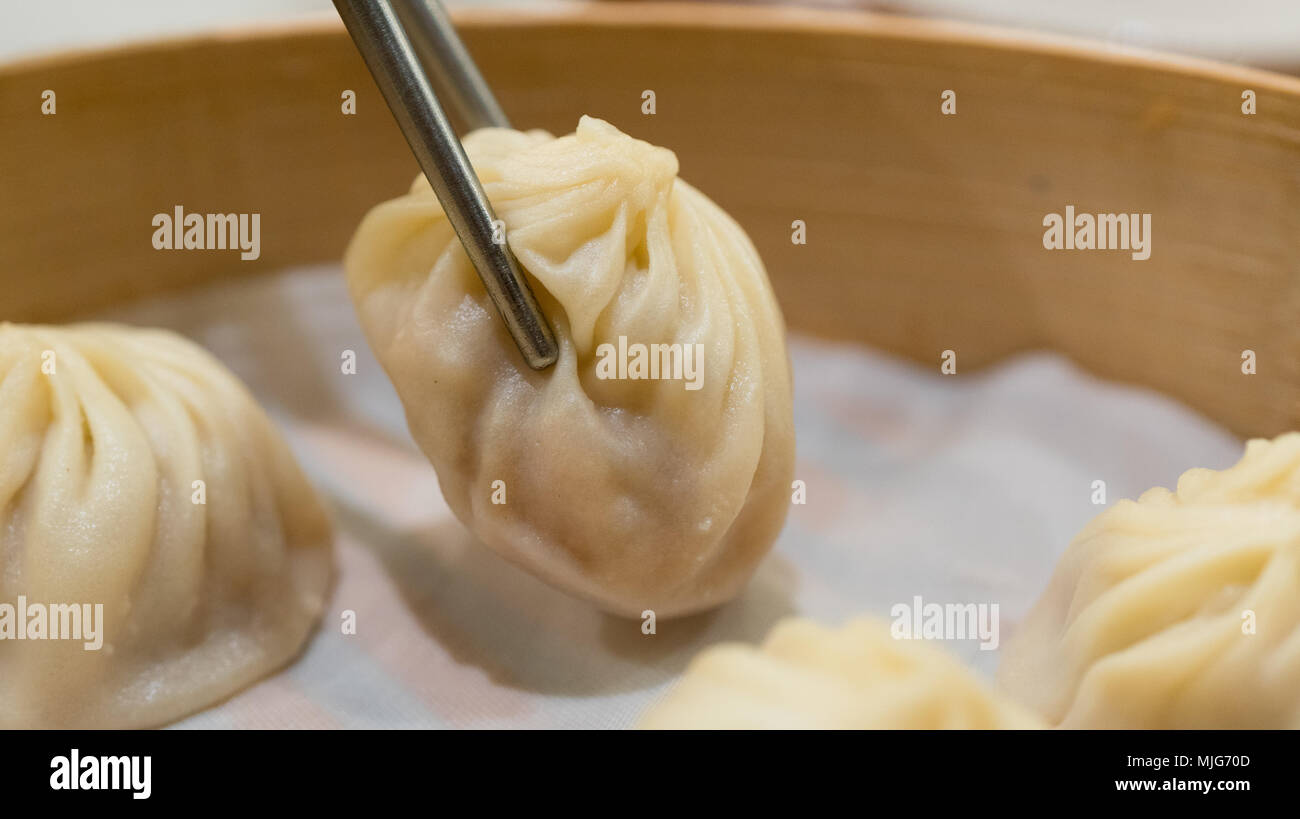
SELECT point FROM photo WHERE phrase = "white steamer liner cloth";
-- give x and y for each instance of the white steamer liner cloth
(955, 489)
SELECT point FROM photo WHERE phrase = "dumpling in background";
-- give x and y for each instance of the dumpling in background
(633, 492)
(104, 431)
(856, 677)
(1179, 610)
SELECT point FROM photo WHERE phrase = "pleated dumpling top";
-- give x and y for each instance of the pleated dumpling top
(1179, 610)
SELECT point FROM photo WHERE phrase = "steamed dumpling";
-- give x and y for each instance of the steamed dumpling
(856, 677)
(104, 431)
(635, 494)
(1180, 610)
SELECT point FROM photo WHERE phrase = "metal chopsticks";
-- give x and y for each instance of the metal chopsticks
(398, 55)
(448, 65)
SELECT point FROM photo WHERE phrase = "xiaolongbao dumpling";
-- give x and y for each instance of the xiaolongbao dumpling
(1180, 610)
(658, 490)
(809, 676)
(203, 587)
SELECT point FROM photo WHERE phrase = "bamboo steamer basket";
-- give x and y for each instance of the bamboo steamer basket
(924, 231)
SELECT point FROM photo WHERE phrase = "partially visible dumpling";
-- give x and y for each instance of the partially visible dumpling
(105, 435)
(1179, 610)
(660, 492)
(856, 677)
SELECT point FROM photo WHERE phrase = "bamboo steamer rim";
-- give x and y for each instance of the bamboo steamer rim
(711, 15)
(1184, 348)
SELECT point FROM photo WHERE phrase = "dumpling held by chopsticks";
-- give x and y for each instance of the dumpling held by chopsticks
(650, 467)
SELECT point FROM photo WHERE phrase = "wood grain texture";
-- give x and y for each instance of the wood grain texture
(924, 231)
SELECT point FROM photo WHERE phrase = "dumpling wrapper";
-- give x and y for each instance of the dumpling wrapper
(808, 676)
(634, 494)
(98, 464)
(1179, 610)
